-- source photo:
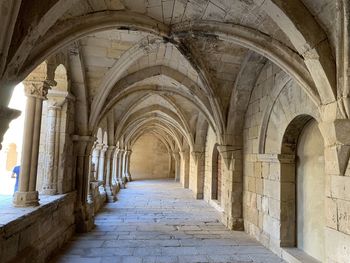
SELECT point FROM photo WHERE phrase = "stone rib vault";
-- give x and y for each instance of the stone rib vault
(245, 103)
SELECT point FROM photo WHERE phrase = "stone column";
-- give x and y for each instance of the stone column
(127, 166)
(109, 171)
(198, 157)
(6, 116)
(115, 168)
(121, 168)
(232, 177)
(96, 157)
(124, 160)
(92, 179)
(170, 163)
(101, 164)
(184, 178)
(176, 156)
(52, 149)
(36, 92)
(83, 211)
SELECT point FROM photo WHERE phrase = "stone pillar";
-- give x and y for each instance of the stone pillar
(121, 168)
(101, 164)
(36, 92)
(198, 157)
(83, 211)
(115, 167)
(6, 116)
(232, 176)
(111, 195)
(125, 159)
(176, 156)
(96, 157)
(52, 149)
(92, 179)
(127, 166)
(185, 167)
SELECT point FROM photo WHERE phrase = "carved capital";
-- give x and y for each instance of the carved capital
(37, 89)
(110, 150)
(98, 146)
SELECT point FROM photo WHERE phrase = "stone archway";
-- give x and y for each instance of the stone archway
(303, 187)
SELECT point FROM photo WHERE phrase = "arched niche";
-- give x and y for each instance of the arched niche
(303, 187)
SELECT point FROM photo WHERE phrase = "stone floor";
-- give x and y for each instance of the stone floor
(158, 221)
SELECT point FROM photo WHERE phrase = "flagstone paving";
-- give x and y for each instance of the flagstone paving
(159, 221)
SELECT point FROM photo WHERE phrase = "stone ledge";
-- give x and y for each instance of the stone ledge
(10, 215)
(33, 234)
(295, 255)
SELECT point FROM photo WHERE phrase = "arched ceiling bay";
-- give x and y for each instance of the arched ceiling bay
(192, 54)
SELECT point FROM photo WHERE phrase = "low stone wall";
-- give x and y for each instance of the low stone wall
(36, 235)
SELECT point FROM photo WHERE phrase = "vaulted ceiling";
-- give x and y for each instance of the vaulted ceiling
(170, 67)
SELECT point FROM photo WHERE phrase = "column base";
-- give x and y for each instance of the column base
(25, 199)
(111, 194)
(235, 224)
(121, 183)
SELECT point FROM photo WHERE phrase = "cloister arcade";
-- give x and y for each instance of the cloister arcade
(245, 103)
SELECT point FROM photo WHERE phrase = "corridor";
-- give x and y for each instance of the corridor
(159, 221)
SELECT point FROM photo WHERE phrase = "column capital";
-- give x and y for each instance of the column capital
(37, 89)
(98, 146)
(57, 95)
(120, 152)
(109, 151)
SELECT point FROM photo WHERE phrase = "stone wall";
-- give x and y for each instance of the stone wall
(269, 184)
(149, 159)
(36, 235)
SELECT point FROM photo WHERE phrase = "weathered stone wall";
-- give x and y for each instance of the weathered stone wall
(275, 101)
(35, 236)
(149, 159)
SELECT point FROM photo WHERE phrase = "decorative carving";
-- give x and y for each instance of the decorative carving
(150, 44)
(38, 89)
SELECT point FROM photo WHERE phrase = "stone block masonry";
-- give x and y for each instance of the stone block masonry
(35, 235)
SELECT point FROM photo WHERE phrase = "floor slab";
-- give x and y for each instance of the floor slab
(159, 221)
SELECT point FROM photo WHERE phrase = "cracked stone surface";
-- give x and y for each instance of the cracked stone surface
(158, 221)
